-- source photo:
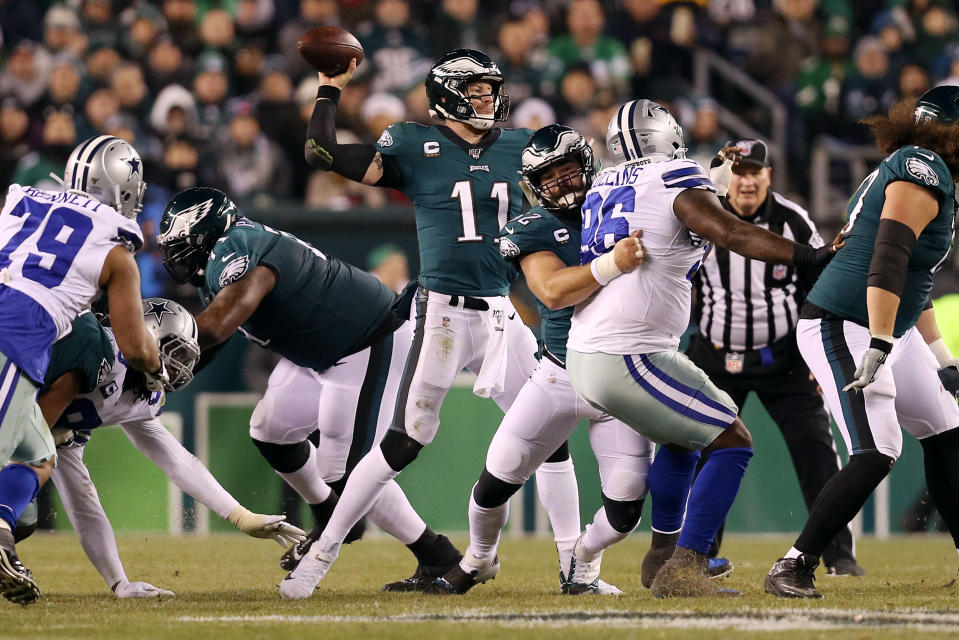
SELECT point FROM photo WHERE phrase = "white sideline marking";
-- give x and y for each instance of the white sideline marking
(746, 620)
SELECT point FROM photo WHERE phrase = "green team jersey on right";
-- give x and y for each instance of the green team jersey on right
(841, 289)
(463, 195)
(86, 350)
(321, 308)
(539, 230)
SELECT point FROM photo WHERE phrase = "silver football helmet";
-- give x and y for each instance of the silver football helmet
(644, 129)
(176, 331)
(107, 169)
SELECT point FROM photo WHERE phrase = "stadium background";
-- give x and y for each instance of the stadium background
(213, 93)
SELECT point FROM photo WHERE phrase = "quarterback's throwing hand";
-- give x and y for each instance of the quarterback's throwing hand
(341, 80)
(258, 525)
(879, 348)
(629, 252)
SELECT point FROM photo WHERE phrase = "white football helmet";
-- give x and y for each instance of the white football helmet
(176, 331)
(644, 129)
(107, 169)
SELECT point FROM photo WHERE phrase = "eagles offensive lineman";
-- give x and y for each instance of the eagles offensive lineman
(58, 250)
(89, 375)
(545, 242)
(622, 351)
(871, 306)
(334, 326)
(461, 177)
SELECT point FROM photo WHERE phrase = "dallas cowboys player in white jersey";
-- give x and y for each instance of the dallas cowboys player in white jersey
(57, 250)
(622, 349)
(118, 397)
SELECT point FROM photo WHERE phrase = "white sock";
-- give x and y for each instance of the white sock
(599, 536)
(559, 493)
(4, 525)
(367, 481)
(307, 480)
(393, 513)
(793, 553)
(485, 527)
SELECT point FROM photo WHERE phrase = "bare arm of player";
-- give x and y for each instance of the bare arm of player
(59, 396)
(233, 305)
(558, 286)
(908, 208)
(359, 162)
(121, 279)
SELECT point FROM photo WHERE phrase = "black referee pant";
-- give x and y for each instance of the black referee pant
(780, 379)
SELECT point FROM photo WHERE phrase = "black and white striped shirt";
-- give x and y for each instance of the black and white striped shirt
(744, 304)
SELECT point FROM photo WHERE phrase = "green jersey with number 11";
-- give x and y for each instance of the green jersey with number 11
(463, 193)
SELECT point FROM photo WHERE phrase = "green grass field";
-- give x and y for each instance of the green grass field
(225, 586)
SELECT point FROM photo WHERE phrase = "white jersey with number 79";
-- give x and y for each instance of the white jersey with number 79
(646, 310)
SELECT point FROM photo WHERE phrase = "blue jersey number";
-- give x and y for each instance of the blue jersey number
(80, 414)
(62, 238)
(602, 226)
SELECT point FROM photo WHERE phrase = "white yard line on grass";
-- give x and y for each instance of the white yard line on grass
(746, 620)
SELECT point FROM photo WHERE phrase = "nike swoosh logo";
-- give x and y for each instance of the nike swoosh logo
(920, 153)
(508, 229)
(512, 315)
(227, 257)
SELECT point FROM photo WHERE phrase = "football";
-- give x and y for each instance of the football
(329, 49)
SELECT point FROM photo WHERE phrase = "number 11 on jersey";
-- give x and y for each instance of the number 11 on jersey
(463, 191)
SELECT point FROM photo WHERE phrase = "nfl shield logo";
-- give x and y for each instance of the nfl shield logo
(780, 271)
(475, 153)
(734, 362)
(445, 321)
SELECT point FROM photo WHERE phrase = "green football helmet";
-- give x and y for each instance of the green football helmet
(192, 222)
(939, 104)
(553, 145)
(446, 88)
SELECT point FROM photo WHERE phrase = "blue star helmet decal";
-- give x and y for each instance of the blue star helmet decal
(158, 309)
(134, 167)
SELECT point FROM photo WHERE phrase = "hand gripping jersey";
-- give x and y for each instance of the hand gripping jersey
(52, 249)
(91, 351)
(539, 230)
(321, 309)
(647, 310)
(463, 195)
(841, 289)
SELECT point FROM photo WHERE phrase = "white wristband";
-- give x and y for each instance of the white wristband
(604, 268)
(941, 351)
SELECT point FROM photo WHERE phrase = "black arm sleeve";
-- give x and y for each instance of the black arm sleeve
(890, 257)
(349, 160)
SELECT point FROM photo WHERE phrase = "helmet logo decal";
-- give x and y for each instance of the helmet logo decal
(234, 271)
(158, 309)
(184, 221)
(134, 165)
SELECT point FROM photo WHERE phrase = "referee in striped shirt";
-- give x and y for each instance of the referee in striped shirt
(746, 311)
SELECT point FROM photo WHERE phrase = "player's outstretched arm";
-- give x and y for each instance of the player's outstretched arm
(358, 162)
(558, 286)
(233, 305)
(189, 474)
(121, 279)
(702, 213)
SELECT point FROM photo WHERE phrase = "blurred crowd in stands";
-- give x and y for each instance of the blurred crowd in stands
(213, 92)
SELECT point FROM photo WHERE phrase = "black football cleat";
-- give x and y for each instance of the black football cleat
(16, 581)
(456, 581)
(793, 578)
(440, 558)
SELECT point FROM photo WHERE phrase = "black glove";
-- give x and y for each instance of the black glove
(949, 376)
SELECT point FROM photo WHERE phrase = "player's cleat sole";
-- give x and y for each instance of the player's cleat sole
(661, 550)
(843, 568)
(718, 568)
(456, 581)
(442, 558)
(684, 576)
(16, 581)
(793, 578)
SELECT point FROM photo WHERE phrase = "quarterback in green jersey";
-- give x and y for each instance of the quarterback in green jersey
(461, 178)
(868, 331)
(342, 362)
(545, 243)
